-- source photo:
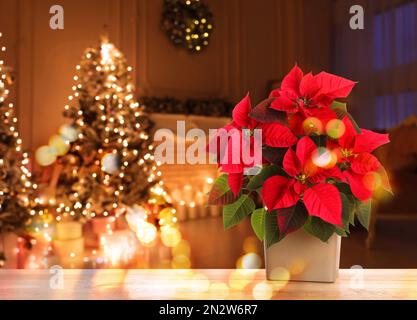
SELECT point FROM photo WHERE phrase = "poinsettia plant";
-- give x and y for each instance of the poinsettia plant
(317, 170)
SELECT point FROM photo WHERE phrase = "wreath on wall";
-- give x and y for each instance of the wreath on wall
(187, 23)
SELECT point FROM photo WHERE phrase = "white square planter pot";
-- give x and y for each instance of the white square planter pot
(305, 257)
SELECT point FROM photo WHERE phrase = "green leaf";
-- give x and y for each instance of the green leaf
(234, 213)
(341, 232)
(352, 215)
(291, 219)
(363, 212)
(271, 228)
(344, 188)
(220, 193)
(340, 109)
(263, 113)
(340, 105)
(348, 210)
(274, 155)
(257, 181)
(258, 223)
(319, 228)
(320, 141)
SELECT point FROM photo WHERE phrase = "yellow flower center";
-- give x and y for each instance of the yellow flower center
(346, 153)
(302, 178)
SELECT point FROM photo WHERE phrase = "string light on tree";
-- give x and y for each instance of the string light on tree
(108, 165)
(15, 185)
(106, 156)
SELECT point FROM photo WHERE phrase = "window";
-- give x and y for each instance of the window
(393, 109)
(395, 36)
(394, 44)
(382, 58)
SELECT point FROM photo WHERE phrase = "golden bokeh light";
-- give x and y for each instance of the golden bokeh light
(297, 266)
(324, 158)
(170, 236)
(218, 291)
(167, 217)
(372, 181)
(251, 261)
(58, 144)
(335, 128)
(45, 156)
(68, 133)
(182, 248)
(281, 274)
(135, 216)
(250, 245)
(313, 125)
(110, 163)
(146, 232)
(262, 291)
(281, 277)
(181, 262)
(200, 283)
(240, 278)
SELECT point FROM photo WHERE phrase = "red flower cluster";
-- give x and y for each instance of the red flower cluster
(274, 135)
(305, 180)
(302, 97)
(354, 153)
(321, 146)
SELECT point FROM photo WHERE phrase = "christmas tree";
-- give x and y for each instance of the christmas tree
(15, 185)
(109, 164)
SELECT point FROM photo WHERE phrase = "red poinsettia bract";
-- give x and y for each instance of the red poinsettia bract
(273, 135)
(355, 154)
(307, 183)
(305, 96)
(320, 168)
